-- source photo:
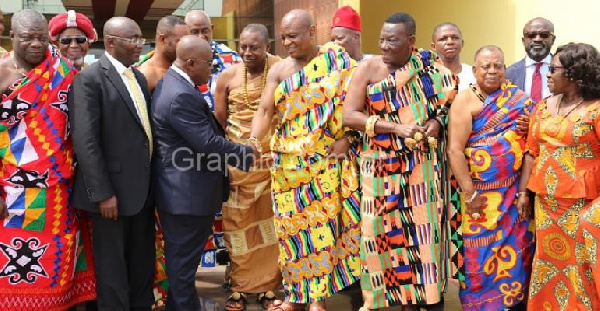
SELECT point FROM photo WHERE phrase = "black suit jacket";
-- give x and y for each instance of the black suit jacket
(111, 146)
(189, 165)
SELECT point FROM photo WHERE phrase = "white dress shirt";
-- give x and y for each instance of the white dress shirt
(120, 70)
(530, 69)
(183, 74)
(465, 77)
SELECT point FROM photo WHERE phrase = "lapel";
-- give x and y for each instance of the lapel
(201, 102)
(116, 80)
(521, 76)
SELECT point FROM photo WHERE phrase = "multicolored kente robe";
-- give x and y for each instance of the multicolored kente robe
(498, 247)
(405, 223)
(315, 197)
(45, 252)
(223, 58)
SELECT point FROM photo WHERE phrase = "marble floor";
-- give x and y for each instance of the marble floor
(213, 296)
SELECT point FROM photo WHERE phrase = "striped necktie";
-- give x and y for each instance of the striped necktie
(140, 104)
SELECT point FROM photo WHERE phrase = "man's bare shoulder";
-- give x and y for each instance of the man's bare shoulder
(467, 101)
(230, 72)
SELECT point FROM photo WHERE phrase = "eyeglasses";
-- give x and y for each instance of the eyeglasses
(208, 62)
(552, 69)
(542, 34)
(68, 40)
(134, 41)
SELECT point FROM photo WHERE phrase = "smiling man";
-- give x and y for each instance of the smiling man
(72, 33)
(316, 212)
(529, 74)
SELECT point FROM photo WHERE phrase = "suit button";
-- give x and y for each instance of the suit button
(146, 145)
(147, 166)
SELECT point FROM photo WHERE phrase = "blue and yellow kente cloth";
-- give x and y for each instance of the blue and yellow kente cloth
(315, 198)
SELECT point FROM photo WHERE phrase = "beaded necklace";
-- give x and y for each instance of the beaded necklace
(245, 82)
(477, 92)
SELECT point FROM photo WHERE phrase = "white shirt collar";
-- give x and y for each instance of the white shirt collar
(117, 64)
(531, 62)
(183, 74)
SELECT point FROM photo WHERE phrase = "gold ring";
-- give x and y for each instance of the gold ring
(475, 216)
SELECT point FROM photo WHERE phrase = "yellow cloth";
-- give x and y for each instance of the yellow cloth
(140, 104)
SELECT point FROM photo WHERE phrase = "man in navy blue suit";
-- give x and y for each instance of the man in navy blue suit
(529, 74)
(190, 167)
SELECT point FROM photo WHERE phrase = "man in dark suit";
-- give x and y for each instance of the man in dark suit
(529, 74)
(190, 167)
(112, 137)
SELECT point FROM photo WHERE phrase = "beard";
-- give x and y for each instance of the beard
(538, 54)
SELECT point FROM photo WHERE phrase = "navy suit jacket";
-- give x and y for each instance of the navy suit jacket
(516, 74)
(190, 164)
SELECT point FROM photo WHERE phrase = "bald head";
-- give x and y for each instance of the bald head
(199, 24)
(191, 46)
(298, 17)
(120, 26)
(26, 18)
(489, 48)
(541, 21)
(194, 57)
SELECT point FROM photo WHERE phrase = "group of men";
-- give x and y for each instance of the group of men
(194, 127)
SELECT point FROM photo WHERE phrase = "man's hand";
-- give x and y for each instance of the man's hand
(339, 149)
(522, 125)
(475, 206)
(523, 206)
(432, 128)
(109, 208)
(3, 209)
(408, 130)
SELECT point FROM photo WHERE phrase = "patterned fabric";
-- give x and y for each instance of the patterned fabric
(316, 198)
(590, 233)
(46, 261)
(566, 178)
(248, 215)
(404, 242)
(498, 246)
(223, 58)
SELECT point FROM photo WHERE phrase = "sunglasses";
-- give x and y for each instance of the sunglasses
(552, 69)
(68, 40)
(543, 35)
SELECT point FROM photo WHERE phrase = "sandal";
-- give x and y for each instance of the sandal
(279, 305)
(236, 302)
(266, 299)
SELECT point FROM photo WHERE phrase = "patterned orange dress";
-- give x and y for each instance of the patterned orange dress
(566, 179)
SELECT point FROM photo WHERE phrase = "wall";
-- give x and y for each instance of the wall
(481, 22)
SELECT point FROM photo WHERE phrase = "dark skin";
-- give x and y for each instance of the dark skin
(73, 51)
(448, 43)
(30, 42)
(253, 50)
(489, 71)
(127, 53)
(396, 45)
(298, 35)
(537, 48)
(164, 55)
(348, 39)
(567, 100)
(199, 24)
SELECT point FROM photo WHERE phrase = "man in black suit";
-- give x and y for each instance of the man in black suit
(190, 167)
(108, 106)
(529, 74)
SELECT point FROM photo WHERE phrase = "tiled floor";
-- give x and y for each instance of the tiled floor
(213, 296)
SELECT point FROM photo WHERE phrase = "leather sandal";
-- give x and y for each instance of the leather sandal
(266, 299)
(236, 302)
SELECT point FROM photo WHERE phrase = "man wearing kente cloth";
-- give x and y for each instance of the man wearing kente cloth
(247, 216)
(200, 24)
(154, 66)
(486, 152)
(405, 230)
(45, 261)
(315, 197)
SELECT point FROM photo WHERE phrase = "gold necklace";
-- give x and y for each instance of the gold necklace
(14, 61)
(562, 117)
(264, 80)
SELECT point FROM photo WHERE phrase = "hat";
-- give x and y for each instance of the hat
(346, 17)
(72, 20)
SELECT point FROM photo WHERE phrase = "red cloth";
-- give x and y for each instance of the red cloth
(536, 84)
(71, 19)
(346, 17)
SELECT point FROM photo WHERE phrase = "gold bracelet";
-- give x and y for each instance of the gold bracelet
(519, 194)
(469, 200)
(370, 126)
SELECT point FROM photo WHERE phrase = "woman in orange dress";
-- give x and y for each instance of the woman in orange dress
(564, 143)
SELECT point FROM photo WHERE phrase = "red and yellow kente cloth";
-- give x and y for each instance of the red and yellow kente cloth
(315, 198)
(45, 257)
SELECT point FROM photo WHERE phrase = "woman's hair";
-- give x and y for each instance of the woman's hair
(581, 63)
